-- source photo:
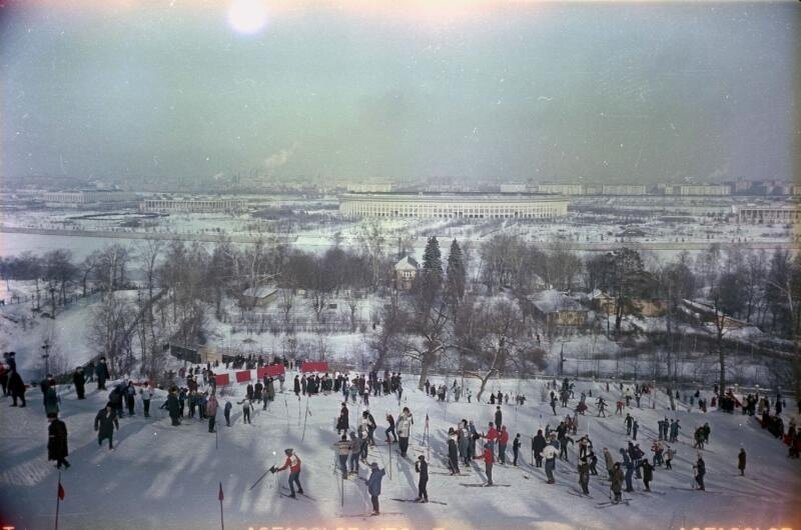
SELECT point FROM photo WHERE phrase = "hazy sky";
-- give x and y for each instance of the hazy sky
(609, 92)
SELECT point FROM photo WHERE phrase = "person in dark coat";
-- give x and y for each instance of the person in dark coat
(57, 441)
(421, 467)
(227, 413)
(516, 449)
(617, 482)
(51, 399)
(101, 371)
(453, 452)
(296, 386)
(79, 381)
(537, 445)
(700, 471)
(343, 422)
(498, 417)
(173, 407)
(105, 421)
(741, 462)
(584, 475)
(16, 387)
(647, 474)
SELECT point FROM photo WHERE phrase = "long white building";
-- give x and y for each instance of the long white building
(768, 214)
(192, 205)
(450, 205)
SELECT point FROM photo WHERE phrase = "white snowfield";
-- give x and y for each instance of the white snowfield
(164, 477)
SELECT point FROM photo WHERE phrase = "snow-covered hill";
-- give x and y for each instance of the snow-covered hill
(165, 477)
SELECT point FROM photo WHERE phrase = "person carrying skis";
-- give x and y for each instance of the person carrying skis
(293, 463)
(421, 467)
(374, 486)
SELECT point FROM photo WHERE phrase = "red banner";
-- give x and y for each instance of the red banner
(243, 376)
(314, 367)
(222, 379)
(271, 371)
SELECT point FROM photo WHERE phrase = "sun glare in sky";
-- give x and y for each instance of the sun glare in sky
(247, 16)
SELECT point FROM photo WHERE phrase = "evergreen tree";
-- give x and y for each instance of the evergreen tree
(432, 258)
(455, 279)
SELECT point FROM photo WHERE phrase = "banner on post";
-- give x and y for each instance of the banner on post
(221, 379)
(270, 371)
(243, 376)
(309, 366)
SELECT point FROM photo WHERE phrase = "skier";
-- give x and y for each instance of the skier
(453, 453)
(227, 413)
(537, 445)
(247, 407)
(57, 441)
(609, 461)
(488, 458)
(374, 486)
(296, 386)
(368, 424)
(355, 452)
(498, 417)
(601, 404)
(105, 421)
(593, 463)
(617, 482)
(634, 428)
(469, 394)
(553, 403)
(647, 474)
(549, 453)
(741, 461)
(421, 467)
(629, 469)
(503, 441)
(343, 423)
(668, 457)
(211, 411)
(516, 448)
(293, 463)
(391, 429)
(405, 422)
(584, 475)
(343, 451)
(700, 471)
(629, 421)
(147, 394)
(79, 380)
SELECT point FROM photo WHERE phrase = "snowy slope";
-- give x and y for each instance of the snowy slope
(167, 477)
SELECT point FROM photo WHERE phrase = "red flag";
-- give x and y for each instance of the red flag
(60, 491)
(220, 496)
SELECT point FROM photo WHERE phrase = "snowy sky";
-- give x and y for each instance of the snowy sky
(352, 89)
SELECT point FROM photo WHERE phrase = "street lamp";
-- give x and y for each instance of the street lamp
(46, 355)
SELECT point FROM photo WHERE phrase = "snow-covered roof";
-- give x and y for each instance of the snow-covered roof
(407, 263)
(552, 300)
(263, 291)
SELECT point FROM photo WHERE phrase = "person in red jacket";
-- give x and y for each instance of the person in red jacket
(503, 440)
(293, 463)
(488, 459)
